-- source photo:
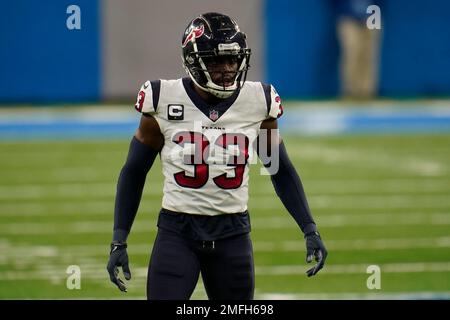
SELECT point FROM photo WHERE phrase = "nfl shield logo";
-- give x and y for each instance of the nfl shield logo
(213, 115)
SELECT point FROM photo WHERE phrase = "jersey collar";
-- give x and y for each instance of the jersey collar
(206, 108)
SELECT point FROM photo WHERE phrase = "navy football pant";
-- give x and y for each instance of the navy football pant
(226, 266)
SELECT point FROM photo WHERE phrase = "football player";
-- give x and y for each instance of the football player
(204, 128)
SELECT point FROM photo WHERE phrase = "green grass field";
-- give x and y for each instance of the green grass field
(378, 200)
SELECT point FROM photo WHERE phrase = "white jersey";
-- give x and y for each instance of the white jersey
(207, 149)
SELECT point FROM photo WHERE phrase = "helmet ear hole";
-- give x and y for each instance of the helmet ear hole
(190, 59)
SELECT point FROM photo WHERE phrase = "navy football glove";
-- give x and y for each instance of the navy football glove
(118, 258)
(315, 248)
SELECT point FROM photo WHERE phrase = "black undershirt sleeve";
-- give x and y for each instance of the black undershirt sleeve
(129, 187)
(289, 189)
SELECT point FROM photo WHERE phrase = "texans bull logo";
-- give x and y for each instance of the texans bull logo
(195, 33)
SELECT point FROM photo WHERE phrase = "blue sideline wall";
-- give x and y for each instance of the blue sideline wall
(302, 51)
(122, 44)
(43, 61)
(415, 54)
(301, 47)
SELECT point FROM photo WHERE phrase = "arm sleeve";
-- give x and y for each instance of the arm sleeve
(289, 189)
(129, 187)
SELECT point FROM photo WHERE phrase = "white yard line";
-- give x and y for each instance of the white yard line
(27, 255)
(66, 190)
(395, 186)
(344, 220)
(361, 201)
(412, 267)
(199, 294)
(38, 208)
(356, 244)
(284, 222)
(415, 202)
(368, 158)
(97, 272)
(366, 185)
(355, 295)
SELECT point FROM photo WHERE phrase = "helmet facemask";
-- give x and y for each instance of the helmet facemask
(211, 44)
(208, 72)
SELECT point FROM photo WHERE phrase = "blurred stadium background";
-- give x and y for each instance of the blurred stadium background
(367, 123)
